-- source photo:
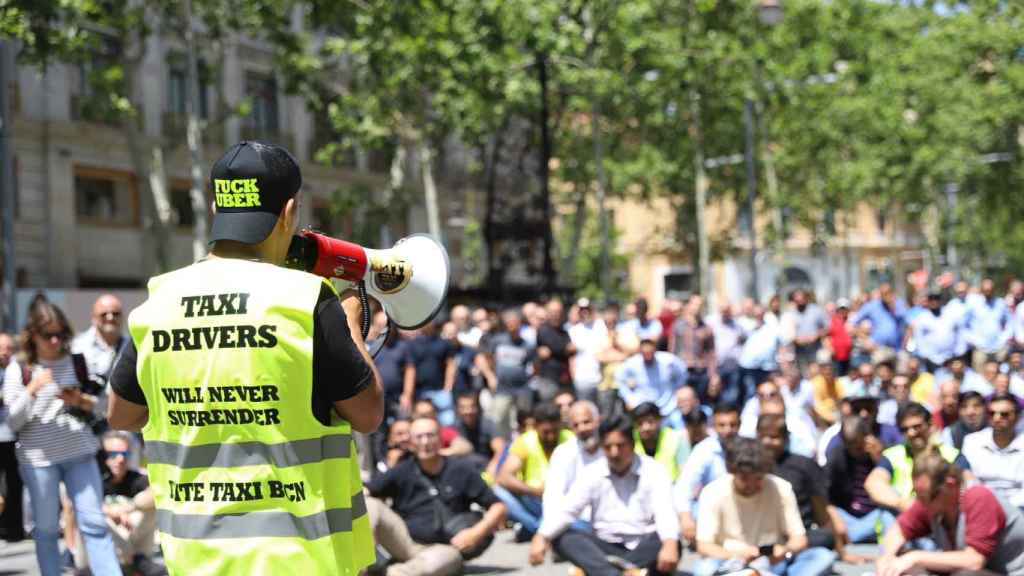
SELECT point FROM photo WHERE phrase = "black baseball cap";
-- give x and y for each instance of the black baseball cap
(251, 183)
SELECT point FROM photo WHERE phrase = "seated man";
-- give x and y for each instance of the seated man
(890, 484)
(802, 437)
(481, 435)
(751, 517)
(687, 402)
(971, 420)
(809, 485)
(651, 376)
(129, 508)
(570, 458)
(451, 443)
(632, 529)
(706, 463)
(865, 404)
(523, 474)
(667, 446)
(977, 532)
(996, 454)
(431, 497)
(696, 426)
(848, 467)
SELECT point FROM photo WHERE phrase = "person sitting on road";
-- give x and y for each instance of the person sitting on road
(571, 458)
(849, 464)
(481, 435)
(750, 517)
(429, 527)
(523, 475)
(706, 463)
(978, 533)
(667, 446)
(633, 531)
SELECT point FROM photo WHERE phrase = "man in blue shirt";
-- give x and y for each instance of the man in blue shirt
(706, 463)
(651, 376)
(988, 325)
(936, 334)
(887, 315)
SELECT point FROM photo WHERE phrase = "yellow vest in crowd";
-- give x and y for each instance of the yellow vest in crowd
(246, 479)
(665, 454)
(903, 466)
(535, 468)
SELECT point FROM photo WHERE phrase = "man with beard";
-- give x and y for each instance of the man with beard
(807, 324)
(936, 334)
(667, 446)
(486, 445)
(996, 454)
(972, 419)
(570, 458)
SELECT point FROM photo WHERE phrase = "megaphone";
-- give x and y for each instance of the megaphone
(410, 280)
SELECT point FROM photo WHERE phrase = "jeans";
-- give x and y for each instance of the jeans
(526, 510)
(810, 562)
(591, 553)
(82, 479)
(732, 390)
(863, 529)
(443, 402)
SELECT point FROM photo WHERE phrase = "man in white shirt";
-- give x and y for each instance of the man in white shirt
(996, 454)
(570, 458)
(633, 529)
(589, 336)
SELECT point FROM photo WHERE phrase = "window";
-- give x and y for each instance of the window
(105, 197)
(177, 85)
(181, 204)
(678, 285)
(262, 89)
(90, 90)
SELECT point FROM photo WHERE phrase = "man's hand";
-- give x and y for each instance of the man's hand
(668, 557)
(749, 554)
(895, 565)
(543, 352)
(689, 527)
(465, 539)
(778, 554)
(405, 404)
(538, 549)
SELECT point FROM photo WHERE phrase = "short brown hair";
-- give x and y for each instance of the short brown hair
(930, 463)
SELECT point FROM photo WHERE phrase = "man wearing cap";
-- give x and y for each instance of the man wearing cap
(248, 379)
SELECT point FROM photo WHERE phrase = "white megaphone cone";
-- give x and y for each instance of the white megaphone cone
(410, 280)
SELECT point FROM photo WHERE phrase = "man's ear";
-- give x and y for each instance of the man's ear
(291, 213)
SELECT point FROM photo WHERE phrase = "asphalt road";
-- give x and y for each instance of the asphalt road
(505, 557)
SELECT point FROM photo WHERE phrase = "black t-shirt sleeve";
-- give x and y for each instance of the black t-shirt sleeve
(339, 369)
(477, 490)
(123, 378)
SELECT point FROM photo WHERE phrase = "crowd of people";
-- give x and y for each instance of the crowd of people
(770, 437)
(780, 434)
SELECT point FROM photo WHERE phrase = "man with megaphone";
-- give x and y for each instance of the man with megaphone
(247, 380)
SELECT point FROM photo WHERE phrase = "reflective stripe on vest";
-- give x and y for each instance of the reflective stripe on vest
(666, 452)
(246, 480)
(281, 455)
(903, 466)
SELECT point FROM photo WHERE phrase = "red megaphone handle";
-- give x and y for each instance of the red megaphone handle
(337, 258)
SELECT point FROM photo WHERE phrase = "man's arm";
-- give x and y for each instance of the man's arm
(879, 488)
(449, 374)
(467, 538)
(125, 415)
(484, 362)
(497, 448)
(459, 447)
(408, 387)
(365, 410)
(508, 480)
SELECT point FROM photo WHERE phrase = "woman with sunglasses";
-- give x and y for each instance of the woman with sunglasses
(55, 445)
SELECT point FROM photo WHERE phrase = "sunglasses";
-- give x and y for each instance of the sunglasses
(111, 454)
(1000, 413)
(112, 315)
(51, 335)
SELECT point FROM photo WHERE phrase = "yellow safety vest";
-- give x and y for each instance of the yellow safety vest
(246, 479)
(535, 468)
(903, 466)
(665, 454)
